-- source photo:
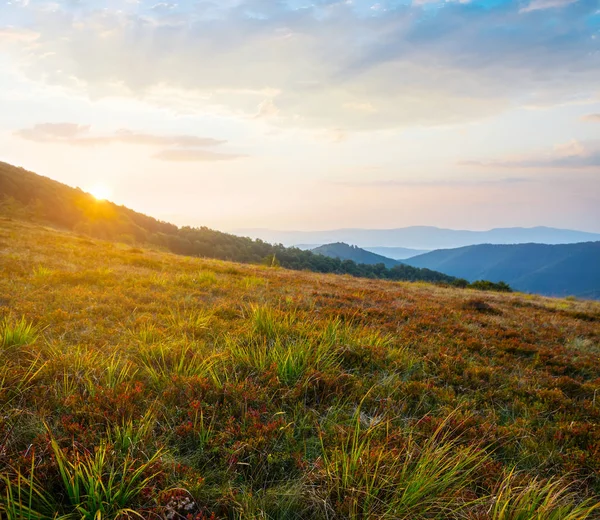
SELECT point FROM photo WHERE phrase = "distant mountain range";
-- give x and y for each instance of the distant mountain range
(354, 253)
(397, 253)
(552, 270)
(423, 237)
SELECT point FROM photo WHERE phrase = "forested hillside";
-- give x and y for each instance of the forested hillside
(28, 195)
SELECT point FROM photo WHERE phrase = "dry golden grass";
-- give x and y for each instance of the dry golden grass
(169, 385)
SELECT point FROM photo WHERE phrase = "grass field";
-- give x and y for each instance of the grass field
(140, 384)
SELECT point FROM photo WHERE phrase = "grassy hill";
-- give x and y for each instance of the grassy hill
(28, 195)
(552, 270)
(138, 380)
(354, 253)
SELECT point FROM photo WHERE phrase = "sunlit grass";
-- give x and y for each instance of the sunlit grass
(163, 385)
(193, 322)
(371, 478)
(538, 500)
(16, 333)
(162, 361)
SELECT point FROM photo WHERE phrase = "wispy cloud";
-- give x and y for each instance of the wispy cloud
(9, 35)
(182, 147)
(79, 135)
(591, 118)
(570, 155)
(194, 155)
(458, 183)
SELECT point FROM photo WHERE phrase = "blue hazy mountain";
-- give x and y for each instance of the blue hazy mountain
(423, 237)
(358, 255)
(552, 270)
(397, 253)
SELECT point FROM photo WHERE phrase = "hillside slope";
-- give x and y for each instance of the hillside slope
(354, 253)
(552, 270)
(199, 387)
(28, 195)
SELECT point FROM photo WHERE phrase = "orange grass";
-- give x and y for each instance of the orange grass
(237, 391)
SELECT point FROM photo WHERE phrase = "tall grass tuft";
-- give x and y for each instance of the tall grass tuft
(42, 272)
(147, 333)
(368, 478)
(192, 322)
(282, 502)
(291, 357)
(17, 333)
(538, 500)
(133, 435)
(264, 322)
(99, 485)
(118, 371)
(25, 499)
(14, 383)
(163, 361)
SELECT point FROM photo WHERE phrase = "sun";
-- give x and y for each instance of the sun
(100, 191)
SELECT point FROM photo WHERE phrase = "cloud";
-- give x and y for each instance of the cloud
(326, 65)
(536, 5)
(266, 109)
(458, 183)
(181, 147)
(9, 35)
(336, 135)
(570, 155)
(79, 135)
(194, 155)
(591, 118)
(54, 132)
(572, 148)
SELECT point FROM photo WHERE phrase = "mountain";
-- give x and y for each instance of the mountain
(26, 195)
(552, 270)
(423, 237)
(397, 253)
(354, 253)
(394, 253)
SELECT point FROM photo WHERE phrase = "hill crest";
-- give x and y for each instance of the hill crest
(345, 251)
(28, 195)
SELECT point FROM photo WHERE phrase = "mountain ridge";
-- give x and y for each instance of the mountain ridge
(31, 196)
(396, 253)
(548, 269)
(345, 251)
(424, 237)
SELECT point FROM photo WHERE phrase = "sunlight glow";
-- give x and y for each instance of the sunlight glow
(100, 191)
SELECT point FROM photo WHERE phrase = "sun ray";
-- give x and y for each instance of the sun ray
(100, 191)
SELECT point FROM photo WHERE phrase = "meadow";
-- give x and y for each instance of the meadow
(136, 383)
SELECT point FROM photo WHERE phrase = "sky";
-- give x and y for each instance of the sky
(311, 114)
